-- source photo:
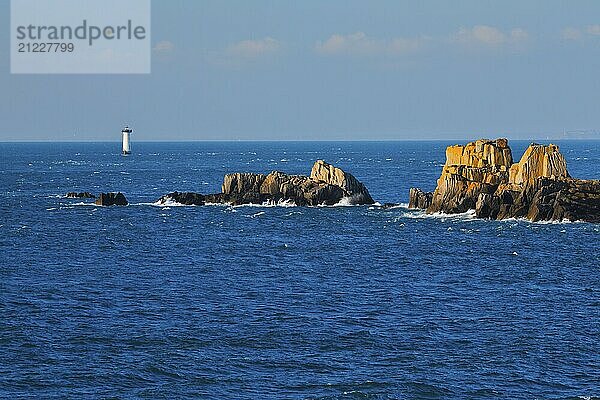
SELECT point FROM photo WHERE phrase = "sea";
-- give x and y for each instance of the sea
(282, 302)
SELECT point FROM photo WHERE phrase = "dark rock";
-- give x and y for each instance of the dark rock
(111, 199)
(80, 195)
(486, 206)
(419, 199)
(548, 199)
(185, 198)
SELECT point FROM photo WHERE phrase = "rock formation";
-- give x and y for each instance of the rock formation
(239, 183)
(479, 167)
(80, 195)
(481, 176)
(419, 198)
(111, 199)
(185, 198)
(538, 161)
(328, 174)
(326, 185)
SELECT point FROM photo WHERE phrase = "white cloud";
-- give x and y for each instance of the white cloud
(580, 33)
(593, 30)
(253, 48)
(163, 47)
(353, 44)
(519, 35)
(359, 44)
(570, 34)
(484, 35)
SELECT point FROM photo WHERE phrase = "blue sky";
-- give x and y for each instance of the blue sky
(306, 70)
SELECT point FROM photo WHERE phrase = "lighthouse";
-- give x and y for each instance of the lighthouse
(126, 142)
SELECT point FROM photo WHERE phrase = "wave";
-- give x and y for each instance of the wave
(165, 203)
(81, 203)
(347, 201)
(422, 214)
(344, 202)
(379, 206)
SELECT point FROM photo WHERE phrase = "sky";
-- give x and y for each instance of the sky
(331, 70)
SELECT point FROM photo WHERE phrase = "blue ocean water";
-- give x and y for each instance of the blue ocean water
(251, 302)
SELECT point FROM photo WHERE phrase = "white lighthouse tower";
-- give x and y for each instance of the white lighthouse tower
(126, 142)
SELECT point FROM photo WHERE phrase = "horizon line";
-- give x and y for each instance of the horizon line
(288, 140)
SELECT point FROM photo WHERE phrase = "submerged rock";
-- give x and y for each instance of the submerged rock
(111, 199)
(481, 176)
(80, 195)
(327, 185)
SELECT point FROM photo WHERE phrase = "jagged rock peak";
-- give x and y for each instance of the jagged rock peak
(539, 161)
(327, 173)
(480, 153)
(471, 169)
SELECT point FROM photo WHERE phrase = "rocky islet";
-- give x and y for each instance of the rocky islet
(481, 176)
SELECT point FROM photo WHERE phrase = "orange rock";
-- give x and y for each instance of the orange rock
(539, 161)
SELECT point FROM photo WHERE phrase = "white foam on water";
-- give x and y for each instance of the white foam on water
(556, 222)
(83, 204)
(344, 202)
(422, 214)
(379, 206)
(551, 222)
(347, 201)
(216, 204)
(165, 203)
(280, 203)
